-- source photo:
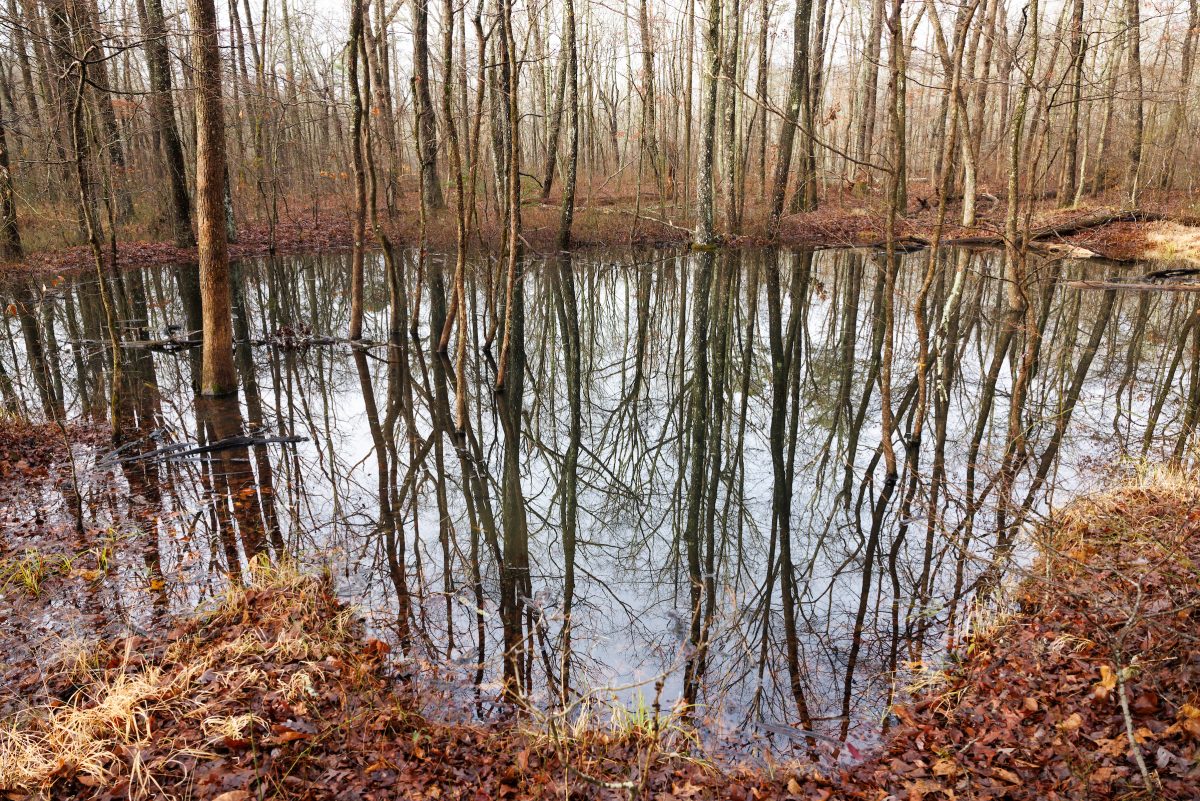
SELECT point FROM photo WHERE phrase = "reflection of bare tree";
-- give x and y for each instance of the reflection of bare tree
(568, 316)
(685, 475)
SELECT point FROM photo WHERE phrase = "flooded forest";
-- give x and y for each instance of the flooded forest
(718, 399)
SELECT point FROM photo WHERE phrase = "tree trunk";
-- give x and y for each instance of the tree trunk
(10, 236)
(360, 180)
(431, 188)
(1066, 193)
(572, 103)
(797, 100)
(217, 375)
(1133, 31)
(705, 232)
(158, 62)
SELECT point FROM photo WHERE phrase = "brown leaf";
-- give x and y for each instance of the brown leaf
(1007, 775)
(1072, 723)
(1145, 703)
(1107, 683)
(920, 788)
(945, 767)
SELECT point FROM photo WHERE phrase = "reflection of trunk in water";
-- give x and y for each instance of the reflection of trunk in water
(1167, 385)
(142, 409)
(697, 439)
(233, 489)
(443, 427)
(637, 418)
(1193, 403)
(387, 527)
(568, 316)
(244, 362)
(714, 419)
(785, 358)
(26, 307)
(514, 569)
(884, 324)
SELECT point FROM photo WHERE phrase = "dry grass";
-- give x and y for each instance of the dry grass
(1172, 241)
(99, 735)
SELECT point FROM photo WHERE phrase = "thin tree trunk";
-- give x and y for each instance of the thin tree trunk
(158, 62)
(431, 188)
(797, 100)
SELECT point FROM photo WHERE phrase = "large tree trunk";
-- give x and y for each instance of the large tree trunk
(10, 237)
(82, 14)
(572, 103)
(217, 375)
(869, 86)
(360, 179)
(1133, 31)
(1180, 107)
(649, 97)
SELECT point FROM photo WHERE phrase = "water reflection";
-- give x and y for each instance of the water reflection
(682, 489)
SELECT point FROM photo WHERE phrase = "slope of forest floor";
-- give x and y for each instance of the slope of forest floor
(1157, 231)
(1083, 683)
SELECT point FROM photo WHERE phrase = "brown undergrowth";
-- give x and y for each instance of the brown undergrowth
(1090, 689)
(618, 219)
(275, 693)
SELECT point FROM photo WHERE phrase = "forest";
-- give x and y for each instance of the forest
(736, 399)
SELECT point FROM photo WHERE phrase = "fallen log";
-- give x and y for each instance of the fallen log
(1140, 286)
(908, 244)
(1073, 226)
(1094, 220)
(180, 450)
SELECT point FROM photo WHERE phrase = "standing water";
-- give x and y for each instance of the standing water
(681, 493)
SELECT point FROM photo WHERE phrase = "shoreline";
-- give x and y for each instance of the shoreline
(1101, 232)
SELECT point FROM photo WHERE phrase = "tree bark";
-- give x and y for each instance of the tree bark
(163, 109)
(10, 236)
(705, 231)
(360, 180)
(1133, 30)
(797, 100)
(217, 375)
(1066, 194)
(431, 188)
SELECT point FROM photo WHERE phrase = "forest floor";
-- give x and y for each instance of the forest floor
(1167, 230)
(1082, 682)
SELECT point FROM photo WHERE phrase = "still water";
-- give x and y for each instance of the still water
(681, 491)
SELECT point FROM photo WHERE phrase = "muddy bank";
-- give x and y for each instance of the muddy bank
(1101, 231)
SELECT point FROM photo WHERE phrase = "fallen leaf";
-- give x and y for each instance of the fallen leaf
(1008, 775)
(1107, 683)
(1072, 723)
(945, 767)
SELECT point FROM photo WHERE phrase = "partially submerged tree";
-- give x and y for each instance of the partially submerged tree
(217, 376)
